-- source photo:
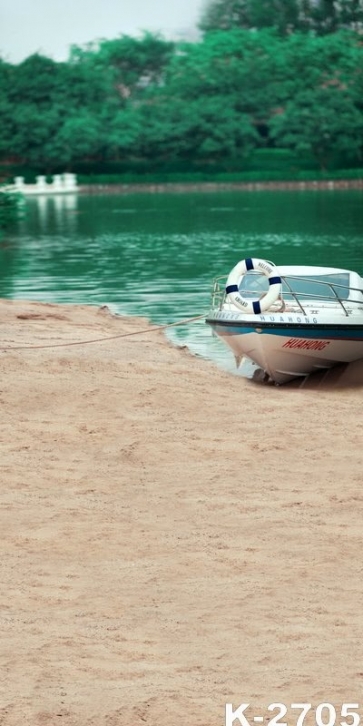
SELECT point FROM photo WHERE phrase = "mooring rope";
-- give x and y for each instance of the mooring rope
(101, 340)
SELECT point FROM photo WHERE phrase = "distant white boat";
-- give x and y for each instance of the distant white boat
(60, 184)
(290, 321)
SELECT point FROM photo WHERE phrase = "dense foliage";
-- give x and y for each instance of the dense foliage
(150, 104)
(318, 16)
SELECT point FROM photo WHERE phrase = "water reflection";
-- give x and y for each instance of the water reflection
(58, 207)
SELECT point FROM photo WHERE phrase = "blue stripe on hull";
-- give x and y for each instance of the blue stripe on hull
(292, 332)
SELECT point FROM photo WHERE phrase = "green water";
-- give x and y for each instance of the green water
(155, 255)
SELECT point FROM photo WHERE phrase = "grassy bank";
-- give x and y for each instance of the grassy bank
(221, 178)
(262, 166)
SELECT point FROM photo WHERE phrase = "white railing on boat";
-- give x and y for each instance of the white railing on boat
(290, 299)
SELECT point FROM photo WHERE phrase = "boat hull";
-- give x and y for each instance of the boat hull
(288, 347)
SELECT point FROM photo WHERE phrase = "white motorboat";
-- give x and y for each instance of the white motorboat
(290, 321)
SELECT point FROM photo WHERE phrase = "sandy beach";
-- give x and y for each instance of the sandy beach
(173, 537)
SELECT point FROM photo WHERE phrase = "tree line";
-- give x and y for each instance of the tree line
(265, 74)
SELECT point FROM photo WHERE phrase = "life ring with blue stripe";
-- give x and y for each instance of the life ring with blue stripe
(253, 306)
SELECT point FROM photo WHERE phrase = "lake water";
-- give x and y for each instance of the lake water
(156, 255)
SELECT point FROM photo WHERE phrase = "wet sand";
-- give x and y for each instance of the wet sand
(173, 537)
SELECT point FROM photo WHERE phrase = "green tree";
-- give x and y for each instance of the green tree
(329, 16)
(32, 115)
(87, 100)
(321, 96)
(120, 133)
(247, 69)
(135, 63)
(55, 111)
(323, 121)
(127, 70)
(283, 15)
(213, 100)
(286, 16)
(6, 107)
(78, 137)
(208, 129)
(225, 15)
(312, 61)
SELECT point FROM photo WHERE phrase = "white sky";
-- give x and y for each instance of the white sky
(50, 27)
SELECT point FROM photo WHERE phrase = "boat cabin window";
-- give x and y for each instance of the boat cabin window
(322, 286)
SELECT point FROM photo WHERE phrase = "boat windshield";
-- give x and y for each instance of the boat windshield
(327, 287)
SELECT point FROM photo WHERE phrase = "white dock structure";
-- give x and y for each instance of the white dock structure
(60, 184)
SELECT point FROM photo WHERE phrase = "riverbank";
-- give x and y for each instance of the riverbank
(157, 187)
(162, 188)
(173, 537)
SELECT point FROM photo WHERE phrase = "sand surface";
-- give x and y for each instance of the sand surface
(173, 537)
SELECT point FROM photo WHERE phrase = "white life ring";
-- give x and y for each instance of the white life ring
(253, 306)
